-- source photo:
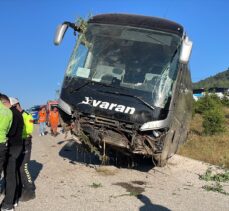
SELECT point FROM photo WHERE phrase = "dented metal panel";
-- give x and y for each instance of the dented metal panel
(125, 89)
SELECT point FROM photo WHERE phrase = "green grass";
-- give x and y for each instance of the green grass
(216, 187)
(96, 185)
(220, 177)
(217, 178)
(211, 149)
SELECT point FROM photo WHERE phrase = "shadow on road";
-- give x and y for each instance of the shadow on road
(75, 152)
(136, 189)
(35, 169)
(148, 206)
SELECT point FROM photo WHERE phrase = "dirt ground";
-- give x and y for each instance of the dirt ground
(64, 183)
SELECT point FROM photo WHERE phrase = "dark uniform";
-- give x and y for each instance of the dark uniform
(27, 184)
(15, 145)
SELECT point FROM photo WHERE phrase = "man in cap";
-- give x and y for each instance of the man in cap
(28, 186)
(15, 145)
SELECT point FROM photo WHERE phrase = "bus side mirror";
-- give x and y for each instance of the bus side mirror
(60, 31)
(186, 49)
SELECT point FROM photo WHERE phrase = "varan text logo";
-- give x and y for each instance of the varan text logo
(109, 106)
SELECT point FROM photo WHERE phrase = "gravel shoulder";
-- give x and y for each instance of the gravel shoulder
(63, 184)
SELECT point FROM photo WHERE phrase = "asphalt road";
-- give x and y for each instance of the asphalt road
(65, 182)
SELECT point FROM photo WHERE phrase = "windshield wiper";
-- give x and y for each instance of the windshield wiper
(80, 87)
(117, 93)
(92, 82)
(128, 95)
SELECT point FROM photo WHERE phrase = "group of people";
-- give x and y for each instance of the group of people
(16, 127)
(53, 120)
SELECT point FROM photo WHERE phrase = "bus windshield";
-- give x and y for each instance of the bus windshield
(128, 57)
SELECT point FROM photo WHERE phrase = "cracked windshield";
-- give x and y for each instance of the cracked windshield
(132, 58)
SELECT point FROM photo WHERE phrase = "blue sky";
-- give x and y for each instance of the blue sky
(32, 68)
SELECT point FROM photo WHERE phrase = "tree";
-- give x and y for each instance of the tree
(213, 121)
(208, 102)
(225, 100)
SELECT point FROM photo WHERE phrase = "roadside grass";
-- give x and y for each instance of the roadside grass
(217, 178)
(96, 185)
(216, 187)
(211, 149)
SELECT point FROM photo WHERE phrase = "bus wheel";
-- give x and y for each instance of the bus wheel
(158, 161)
(161, 159)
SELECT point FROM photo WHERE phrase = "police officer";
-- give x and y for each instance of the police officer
(28, 186)
(15, 145)
(6, 118)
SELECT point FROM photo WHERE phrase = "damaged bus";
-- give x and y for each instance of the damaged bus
(127, 87)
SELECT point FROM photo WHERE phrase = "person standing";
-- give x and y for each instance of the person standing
(54, 121)
(15, 145)
(42, 121)
(6, 118)
(28, 187)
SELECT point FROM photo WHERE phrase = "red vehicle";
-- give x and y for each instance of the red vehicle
(49, 107)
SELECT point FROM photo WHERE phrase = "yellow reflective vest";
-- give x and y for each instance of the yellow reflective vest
(28, 125)
(6, 118)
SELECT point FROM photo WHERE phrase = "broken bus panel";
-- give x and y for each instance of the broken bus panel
(127, 86)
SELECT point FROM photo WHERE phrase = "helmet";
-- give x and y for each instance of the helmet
(13, 101)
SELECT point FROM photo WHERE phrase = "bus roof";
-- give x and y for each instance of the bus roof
(139, 21)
